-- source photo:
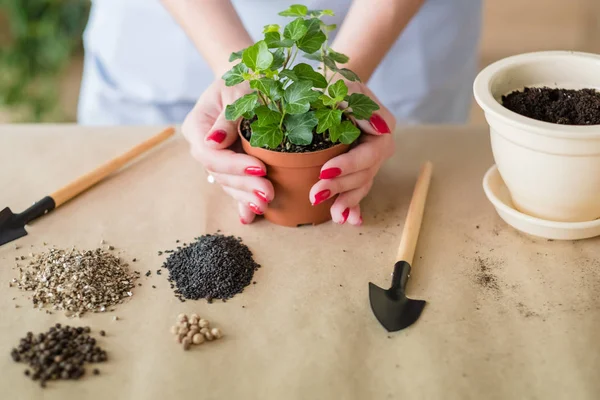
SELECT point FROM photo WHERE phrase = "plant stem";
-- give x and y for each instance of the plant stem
(330, 79)
(262, 97)
(287, 59)
(294, 57)
(282, 118)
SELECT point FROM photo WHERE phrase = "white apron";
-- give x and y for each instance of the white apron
(140, 67)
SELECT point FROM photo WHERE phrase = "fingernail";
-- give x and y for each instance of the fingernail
(379, 124)
(360, 221)
(330, 173)
(255, 209)
(261, 195)
(217, 136)
(345, 215)
(322, 196)
(243, 221)
(255, 171)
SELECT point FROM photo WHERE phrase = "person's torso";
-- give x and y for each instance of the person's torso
(148, 57)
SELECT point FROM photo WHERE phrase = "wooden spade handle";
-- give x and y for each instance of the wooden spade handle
(88, 180)
(412, 226)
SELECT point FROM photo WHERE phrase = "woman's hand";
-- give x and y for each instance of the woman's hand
(351, 174)
(210, 135)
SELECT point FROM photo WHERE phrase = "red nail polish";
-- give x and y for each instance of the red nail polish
(261, 196)
(345, 215)
(217, 136)
(330, 173)
(243, 221)
(360, 221)
(322, 196)
(379, 124)
(255, 209)
(255, 171)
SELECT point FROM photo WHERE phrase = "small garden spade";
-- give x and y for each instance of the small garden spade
(12, 226)
(391, 307)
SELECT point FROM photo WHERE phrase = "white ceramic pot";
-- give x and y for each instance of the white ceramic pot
(552, 171)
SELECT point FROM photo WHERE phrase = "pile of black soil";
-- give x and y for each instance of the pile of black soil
(212, 267)
(320, 141)
(558, 106)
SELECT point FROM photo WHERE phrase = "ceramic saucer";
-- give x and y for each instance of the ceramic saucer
(498, 194)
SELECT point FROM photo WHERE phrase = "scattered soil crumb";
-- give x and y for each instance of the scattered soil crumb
(485, 276)
(525, 311)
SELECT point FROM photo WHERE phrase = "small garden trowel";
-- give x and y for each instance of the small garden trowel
(391, 307)
(12, 226)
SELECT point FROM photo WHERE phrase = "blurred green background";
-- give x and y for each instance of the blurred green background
(38, 41)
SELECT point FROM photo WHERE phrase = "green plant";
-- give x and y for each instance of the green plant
(293, 104)
(42, 37)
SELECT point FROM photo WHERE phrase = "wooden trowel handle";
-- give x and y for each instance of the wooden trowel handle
(88, 180)
(412, 226)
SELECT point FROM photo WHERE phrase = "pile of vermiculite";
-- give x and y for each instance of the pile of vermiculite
(212, 267)
(76, 281)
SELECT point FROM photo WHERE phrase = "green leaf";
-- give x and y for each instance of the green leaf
(287, 73)
(236, 75)
(249, 114)
(314, 56)
(362, 105)
(338, 90)
(241, 106)
(263, 85)
(320, 13)
(269, 136)
(314, 37)
(329, 28)
(295, 29)
(338, 57)
(267, 86)
(278, 59)
(296, 10)
(236, 56)
(328, 101)
(266, 116)
(328, 118)
(270, 74)
(300, 128)
(346, 73)
(346, 133)
(318, 103)
(298, 97)
(273, 40)
(271, 28)
(258, 57)
(306, 72)
(330, 63)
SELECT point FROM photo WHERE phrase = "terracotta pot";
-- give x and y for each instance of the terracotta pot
(292, 176)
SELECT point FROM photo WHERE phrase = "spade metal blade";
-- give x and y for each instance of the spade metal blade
(10, 229)
(391, 307)
(12, 226)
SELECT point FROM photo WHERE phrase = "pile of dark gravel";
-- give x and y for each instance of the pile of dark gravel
(212, 267)
(59, 353)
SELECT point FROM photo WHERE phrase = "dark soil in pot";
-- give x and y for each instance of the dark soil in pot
(558, 106)
(320, 141)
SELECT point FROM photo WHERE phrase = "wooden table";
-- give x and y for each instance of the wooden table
(305, 330)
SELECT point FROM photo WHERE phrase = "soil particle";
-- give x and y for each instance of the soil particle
(558, 106)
